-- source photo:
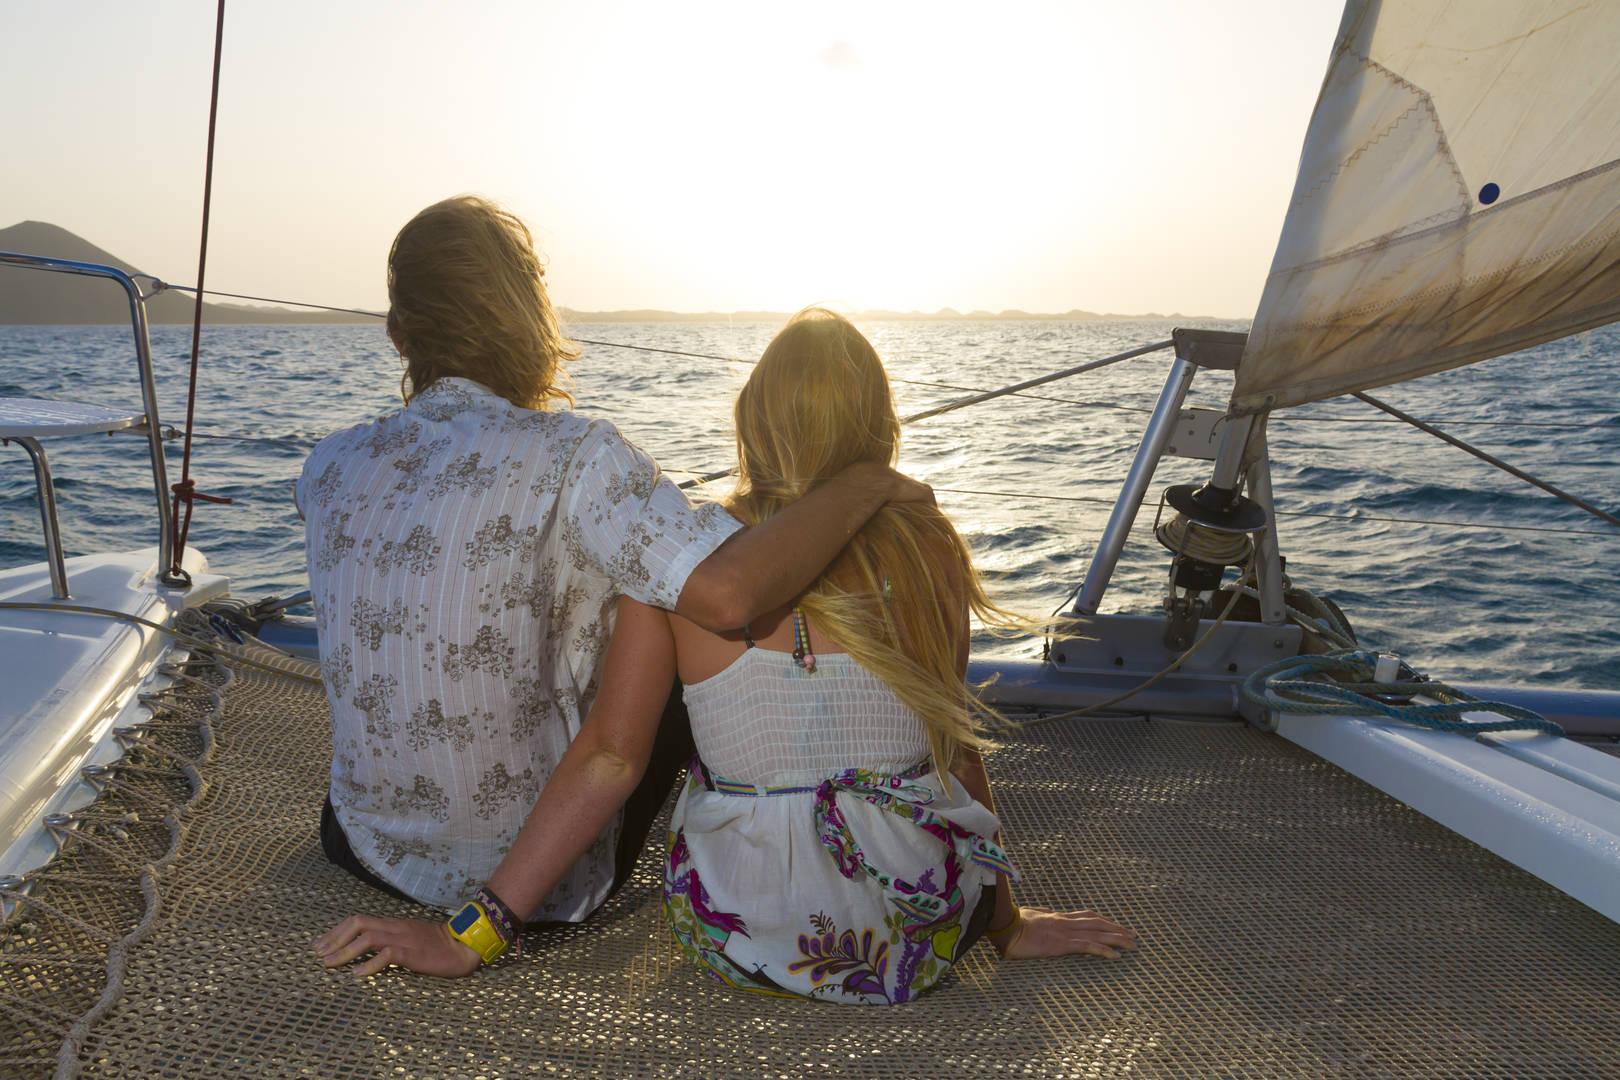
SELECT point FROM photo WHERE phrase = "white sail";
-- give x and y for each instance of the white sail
(1458, 197)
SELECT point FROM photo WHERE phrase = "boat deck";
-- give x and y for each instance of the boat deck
(1294, 922)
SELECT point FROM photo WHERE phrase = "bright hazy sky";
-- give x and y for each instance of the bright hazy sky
(1113, 156)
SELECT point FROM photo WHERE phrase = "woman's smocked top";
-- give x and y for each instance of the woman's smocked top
(765, 720)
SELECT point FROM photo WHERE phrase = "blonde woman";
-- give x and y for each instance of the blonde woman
(836, 836)
(465, 556)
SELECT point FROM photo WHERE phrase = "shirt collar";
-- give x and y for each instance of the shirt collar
(461, 380)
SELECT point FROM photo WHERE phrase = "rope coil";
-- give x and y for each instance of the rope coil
(1341, 684)
(1185, 537)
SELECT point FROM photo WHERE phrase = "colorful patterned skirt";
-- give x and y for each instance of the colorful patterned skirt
(858, 888)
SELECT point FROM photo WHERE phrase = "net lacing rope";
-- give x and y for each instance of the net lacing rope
(154, 776)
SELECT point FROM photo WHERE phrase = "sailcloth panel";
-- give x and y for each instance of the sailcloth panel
(1458, 197)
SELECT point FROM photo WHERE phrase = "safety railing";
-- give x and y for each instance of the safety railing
(152, 426)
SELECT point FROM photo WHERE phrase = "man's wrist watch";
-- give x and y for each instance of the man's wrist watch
(471, 926)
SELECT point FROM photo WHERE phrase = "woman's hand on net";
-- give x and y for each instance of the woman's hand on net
(423, 947)
(1065, 933)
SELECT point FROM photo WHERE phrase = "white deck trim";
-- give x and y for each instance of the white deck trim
(67, 680)
(1544, 803)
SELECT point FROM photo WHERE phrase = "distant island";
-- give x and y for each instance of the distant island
(28, 297)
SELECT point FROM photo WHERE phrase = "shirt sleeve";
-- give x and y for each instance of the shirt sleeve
(623, 519)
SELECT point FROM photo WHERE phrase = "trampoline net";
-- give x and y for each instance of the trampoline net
(1294, 922)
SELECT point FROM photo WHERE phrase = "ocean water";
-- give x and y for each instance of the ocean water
(1029, 482)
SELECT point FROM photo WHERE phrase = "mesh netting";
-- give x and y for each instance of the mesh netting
(1294, 922)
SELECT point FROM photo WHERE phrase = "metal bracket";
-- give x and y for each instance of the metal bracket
(1135, 644)
(1196, 434)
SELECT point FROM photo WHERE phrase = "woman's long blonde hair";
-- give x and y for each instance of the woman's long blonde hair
(819, 401)
(467, 297)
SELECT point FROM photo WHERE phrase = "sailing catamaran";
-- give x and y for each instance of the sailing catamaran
(163, 745)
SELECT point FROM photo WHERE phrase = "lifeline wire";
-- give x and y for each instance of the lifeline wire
(1040, 380)
(162, 285)
(975, 399)
(1100, 500)
(700, 478)
(1121, 406)
(181, 636)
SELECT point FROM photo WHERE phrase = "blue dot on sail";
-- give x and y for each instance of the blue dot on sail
(1489, 194)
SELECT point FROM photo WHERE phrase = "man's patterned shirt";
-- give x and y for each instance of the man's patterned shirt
(464, 556)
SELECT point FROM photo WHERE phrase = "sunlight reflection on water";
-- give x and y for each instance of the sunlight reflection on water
(1463, 603)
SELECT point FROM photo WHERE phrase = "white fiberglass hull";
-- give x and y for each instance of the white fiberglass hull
(68, 681)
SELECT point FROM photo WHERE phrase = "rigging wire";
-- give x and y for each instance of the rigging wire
(185, 491)
(697, 478)
(161, 285)
(1099, 499)
(190, 640)
(1490, 459)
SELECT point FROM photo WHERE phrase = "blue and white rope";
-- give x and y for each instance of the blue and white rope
(1341, 683)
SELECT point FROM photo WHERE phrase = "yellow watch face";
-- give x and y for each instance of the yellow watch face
(471, 927)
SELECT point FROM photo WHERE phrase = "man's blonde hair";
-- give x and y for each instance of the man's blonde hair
(467, 297)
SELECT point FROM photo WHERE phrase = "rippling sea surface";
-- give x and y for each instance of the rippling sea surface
(1028, 481)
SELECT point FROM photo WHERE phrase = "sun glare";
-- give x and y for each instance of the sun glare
(722, 156)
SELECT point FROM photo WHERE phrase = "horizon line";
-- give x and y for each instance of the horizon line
(942, 314)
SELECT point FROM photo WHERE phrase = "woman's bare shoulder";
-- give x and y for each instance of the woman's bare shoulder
(701, 654)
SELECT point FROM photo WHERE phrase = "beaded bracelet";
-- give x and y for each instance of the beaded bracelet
(506, 924)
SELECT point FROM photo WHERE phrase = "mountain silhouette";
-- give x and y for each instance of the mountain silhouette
(34, 296)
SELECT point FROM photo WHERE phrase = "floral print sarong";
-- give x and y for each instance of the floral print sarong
(856, 888)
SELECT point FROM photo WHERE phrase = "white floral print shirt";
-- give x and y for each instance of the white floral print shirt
(464, 555)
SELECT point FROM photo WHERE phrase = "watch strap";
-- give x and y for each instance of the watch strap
(472, 927)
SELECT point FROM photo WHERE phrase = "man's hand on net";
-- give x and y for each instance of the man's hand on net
(423, 947)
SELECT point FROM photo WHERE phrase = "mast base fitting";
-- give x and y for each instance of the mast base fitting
(1181, 624)
(1218, 508)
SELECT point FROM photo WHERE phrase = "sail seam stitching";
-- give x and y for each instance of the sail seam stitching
(1383, 241)
(1452, 286)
